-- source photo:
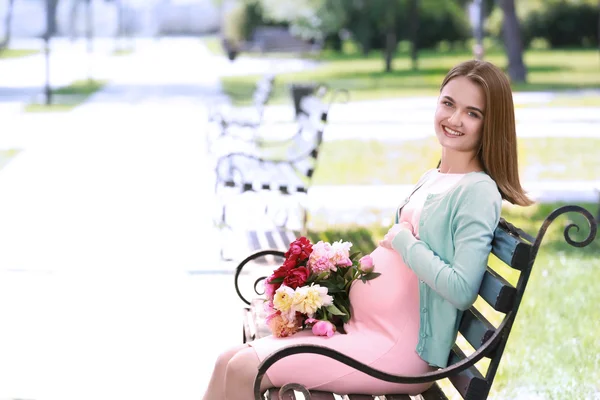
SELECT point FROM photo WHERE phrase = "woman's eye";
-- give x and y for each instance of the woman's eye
(447, 104)
(474, 115)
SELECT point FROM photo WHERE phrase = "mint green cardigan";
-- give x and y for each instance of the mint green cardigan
(456, 229)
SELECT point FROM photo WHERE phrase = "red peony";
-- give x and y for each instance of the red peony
(290, 263)
(279, 274)
(296, 277)
(299, 249)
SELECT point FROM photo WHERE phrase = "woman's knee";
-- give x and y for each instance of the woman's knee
(242, 369)
(224, 358)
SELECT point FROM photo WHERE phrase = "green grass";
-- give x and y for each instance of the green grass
(7, 155)
(356, 162)
(66, 98)
(16, 53)
(213, 44)
(364, 77)
(122, 52)
(553, 347)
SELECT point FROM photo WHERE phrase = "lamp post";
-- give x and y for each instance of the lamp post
(89, 19)
(47, 36)
(477, 17)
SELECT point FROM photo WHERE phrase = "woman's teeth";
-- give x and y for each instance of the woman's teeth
(452, 132)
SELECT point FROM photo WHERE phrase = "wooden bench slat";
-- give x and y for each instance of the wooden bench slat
(512, 250)
(475, 328)
(397, 397)
(287, 237)
(318, 395)
(497, 291)
(271, 240)
(469, 383)
(254, 241)
(434, 393)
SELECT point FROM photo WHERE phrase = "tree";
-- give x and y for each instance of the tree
(511, 33)
(391, 40)
(413, 14)
(7, 22)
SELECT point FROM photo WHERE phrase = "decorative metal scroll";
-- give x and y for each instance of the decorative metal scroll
(555, 214)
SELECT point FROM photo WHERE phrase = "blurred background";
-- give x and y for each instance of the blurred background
(112, 283)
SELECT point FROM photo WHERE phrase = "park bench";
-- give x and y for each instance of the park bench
(285, 170)
(251, 136)
(223, 120)
(511, 245)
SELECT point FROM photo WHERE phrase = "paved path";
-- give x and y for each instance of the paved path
(107, 253)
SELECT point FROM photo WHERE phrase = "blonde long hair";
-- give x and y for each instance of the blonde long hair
(498, 149)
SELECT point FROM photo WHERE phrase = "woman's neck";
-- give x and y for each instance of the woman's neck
(459, 163)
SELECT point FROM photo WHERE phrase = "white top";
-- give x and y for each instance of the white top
(435, 183)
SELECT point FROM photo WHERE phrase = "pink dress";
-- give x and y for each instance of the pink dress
(383, 332)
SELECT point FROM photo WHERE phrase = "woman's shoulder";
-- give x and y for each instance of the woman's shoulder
(481, 184)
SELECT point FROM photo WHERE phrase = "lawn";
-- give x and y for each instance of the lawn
(364, 77)
(6, 155)
(16, 53)
(356, 162)
(553, 348)
(66, 98)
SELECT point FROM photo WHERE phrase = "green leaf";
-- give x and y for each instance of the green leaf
(334, 310)
(322, 276)
(277, 280)
(371, 275)
(343, 309)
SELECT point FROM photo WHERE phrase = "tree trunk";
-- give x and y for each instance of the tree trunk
(7, 22)
(413, 16)
(511, 33)
(390, 49)
(391, 40)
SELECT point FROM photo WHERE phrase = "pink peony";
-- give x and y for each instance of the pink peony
(321, 264)
(270, 289)
(366, 263)
(323, 328)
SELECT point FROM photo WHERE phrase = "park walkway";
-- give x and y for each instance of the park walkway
(110, 282)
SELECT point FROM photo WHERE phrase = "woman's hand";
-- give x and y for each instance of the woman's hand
(389, 237)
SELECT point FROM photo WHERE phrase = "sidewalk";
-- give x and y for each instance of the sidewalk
(107, 248)
(104, 211)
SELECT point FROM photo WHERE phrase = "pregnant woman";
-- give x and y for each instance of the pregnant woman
(431, 261)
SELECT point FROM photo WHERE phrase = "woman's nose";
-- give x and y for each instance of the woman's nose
(455, 119)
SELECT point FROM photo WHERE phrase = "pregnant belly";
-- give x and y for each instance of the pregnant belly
(386, 301)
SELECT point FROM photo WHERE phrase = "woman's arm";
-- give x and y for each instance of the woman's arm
(473, 228)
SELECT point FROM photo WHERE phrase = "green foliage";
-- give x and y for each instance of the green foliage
(364, 77)
(562, 23)
(7, 53)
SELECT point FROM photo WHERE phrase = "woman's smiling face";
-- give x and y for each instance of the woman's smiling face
(459, 115)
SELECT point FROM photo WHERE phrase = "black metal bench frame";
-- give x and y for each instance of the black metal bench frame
(263, 92)
(242, 172)
(513, 247)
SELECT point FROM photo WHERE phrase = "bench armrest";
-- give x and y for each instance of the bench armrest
(248, 259)
(433, 376)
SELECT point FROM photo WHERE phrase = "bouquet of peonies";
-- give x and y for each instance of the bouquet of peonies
(311, 288)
